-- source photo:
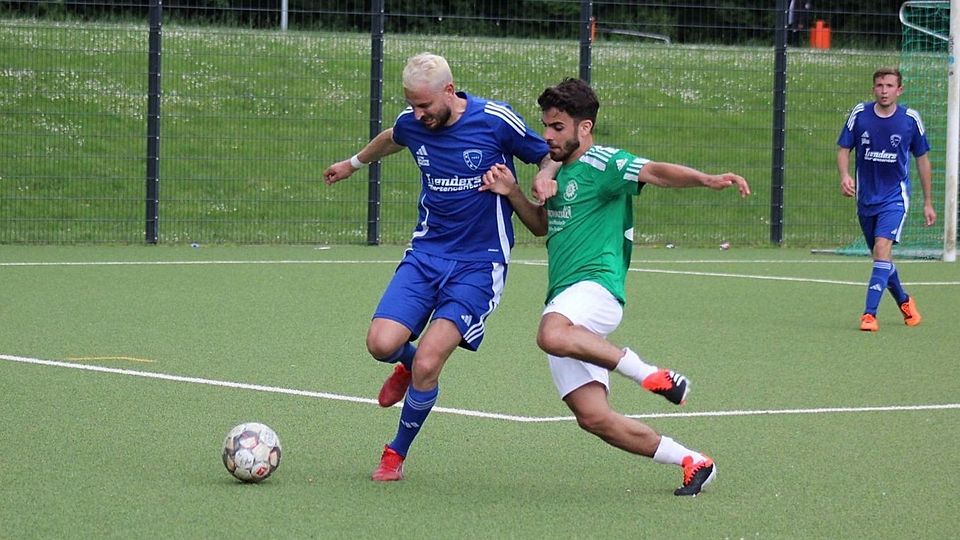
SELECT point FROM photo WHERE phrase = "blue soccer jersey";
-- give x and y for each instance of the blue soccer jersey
(456, 220)
(883, 147)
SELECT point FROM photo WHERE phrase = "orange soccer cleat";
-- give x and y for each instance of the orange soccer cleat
(911, 317)
(868, 323)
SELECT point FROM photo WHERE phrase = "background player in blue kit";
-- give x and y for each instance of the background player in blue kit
(456, 267)
(884, 135)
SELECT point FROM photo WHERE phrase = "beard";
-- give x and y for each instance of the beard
(567, 150)
(440, 119)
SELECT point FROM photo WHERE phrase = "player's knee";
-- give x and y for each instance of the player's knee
(596, 422)
(554, 335)
(552, 340)
(380, 348)
(386, 339)
(426, 372)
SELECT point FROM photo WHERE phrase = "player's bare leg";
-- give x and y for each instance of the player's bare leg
(589, 404)
(437, 344)
(592, 409)
(560, 337)
(386, 340)
(385, 336)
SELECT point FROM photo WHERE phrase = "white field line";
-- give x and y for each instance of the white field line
(523, 262)
(464, 412)
(753, 276)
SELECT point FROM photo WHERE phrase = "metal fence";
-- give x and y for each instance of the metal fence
(211, 122)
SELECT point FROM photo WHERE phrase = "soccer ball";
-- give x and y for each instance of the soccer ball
(251, 452)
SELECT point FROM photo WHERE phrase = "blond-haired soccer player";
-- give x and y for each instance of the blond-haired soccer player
(451, 278)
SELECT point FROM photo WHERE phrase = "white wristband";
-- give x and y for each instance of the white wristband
(356, 163)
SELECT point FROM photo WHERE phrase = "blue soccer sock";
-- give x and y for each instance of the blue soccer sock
(878, 283)
(404, 355)
(416, 406)
(894, 286)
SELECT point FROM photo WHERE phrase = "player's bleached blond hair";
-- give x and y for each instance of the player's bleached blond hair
(426, 70)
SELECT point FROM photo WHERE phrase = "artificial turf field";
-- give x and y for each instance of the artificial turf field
(122, 368)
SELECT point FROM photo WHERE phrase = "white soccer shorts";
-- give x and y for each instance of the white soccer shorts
(590, 305)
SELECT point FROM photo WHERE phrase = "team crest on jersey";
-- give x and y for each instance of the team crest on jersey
(895, 139)
(865, 139)
(570, 192)
(473, 158)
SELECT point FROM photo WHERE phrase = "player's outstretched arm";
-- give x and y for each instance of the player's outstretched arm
(379, 147)
(500, 180)
(672, 175)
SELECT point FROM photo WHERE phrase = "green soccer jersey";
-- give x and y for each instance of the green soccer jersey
(591, 220)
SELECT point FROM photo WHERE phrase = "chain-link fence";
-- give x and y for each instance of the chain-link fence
(212, 120)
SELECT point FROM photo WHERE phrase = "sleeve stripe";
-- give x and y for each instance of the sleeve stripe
(599, 164)
(916, 116)
(605, 153)
(853, 116)
(637, 164)
(507, 115)
(633, 169)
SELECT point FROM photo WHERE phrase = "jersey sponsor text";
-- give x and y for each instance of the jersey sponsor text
(456, 183)
(880, 155)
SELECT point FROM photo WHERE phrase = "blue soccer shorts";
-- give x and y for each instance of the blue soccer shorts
(887, 222)
(427, 287)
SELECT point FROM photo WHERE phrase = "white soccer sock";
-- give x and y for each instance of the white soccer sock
(632, 367)
(672, 453)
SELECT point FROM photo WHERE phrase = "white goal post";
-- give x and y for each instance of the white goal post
(952, 150)
(953, 138)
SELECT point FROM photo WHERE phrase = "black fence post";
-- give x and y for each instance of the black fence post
(376, 117)
(779, 123)
(153, 124)
(586, 38)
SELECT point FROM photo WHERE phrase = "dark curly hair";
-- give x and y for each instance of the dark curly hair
(572, 96)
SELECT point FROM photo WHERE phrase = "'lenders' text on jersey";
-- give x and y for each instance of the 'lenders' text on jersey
(454, 217)
(883, 147)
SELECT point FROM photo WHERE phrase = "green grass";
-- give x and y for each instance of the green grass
(251, 118)
(110, 455)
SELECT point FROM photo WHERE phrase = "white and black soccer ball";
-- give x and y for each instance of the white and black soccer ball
(251, 452)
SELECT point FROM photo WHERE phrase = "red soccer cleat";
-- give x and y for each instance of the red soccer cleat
(395, 387)
(390, 468)
(668, 384)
